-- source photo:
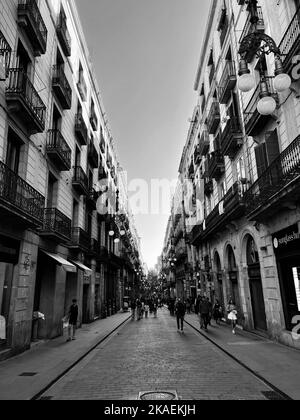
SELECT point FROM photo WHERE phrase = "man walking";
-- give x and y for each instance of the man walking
(73, 317)
(204, 309)
(180, 310)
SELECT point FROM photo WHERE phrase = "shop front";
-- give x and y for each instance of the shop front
(287, 251)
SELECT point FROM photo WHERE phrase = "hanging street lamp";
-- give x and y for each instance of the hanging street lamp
(263, 45)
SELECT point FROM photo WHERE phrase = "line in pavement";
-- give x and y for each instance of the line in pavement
(257, 375)
(66, 371)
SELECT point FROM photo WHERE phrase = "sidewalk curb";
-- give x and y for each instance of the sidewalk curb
(256, 374)
(86, 353)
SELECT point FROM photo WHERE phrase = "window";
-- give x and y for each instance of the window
(52, 192)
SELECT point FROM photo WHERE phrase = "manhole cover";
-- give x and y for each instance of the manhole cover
(158, 395)
(28, 374)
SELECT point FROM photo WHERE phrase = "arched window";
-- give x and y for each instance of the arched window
(231, 259)
(252, 252)
(217, 262)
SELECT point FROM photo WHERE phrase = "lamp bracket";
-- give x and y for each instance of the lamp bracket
(262, 43)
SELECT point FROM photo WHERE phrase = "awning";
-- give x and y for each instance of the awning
(69, 267)
(82, 267)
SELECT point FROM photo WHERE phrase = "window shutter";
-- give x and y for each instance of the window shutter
(272, 146)
(261, 159)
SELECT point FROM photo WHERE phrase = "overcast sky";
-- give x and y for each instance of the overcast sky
(145, 53)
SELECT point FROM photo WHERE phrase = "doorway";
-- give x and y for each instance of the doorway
(256, 289)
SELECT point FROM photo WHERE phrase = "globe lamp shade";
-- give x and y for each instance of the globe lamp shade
(282, 82)
(246, 82)
(111, 233)
(266, 105)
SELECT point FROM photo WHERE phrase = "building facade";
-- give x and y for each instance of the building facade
(57, 162)
(244, 165)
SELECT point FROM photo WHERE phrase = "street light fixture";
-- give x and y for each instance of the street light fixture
(263, 45)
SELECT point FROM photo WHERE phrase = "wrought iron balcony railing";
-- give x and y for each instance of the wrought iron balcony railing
(204, 143)
(284, 172)
(5, 52)
(62, 87)
(208, 186)
(30, 18)
(227, 82)
(213, 119)
(216, 165)
(232, 137)
(290, 44)
(23, 99)
(82, 88)
(80, 239)
(58, 150)
(81, 130)
(254, 121)
(80, 181)
(63, 34)
(56, 224)
(20, 198)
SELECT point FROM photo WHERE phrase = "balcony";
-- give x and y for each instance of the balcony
(56, 225)
(81, 130)
(18, 200)
(197, 156)
(249, 28)
(5, 52)
(216, 165)
(234, 203)
(204, 143)
(30, 19)
(80, 239)
(227, 82)
(214, 118)
(80, 181)
(93, 155)
(62, 87)
(22, 99)
(102, 145)
(63, 35)
(94, 120)
(91, 199)
(94, 248)
(58, 150)
(231, 138)
(290, 44)
(254, 121)
(278, 186)
(208, 186)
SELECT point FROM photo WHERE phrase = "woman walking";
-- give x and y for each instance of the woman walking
(232, 314)
(217, 312)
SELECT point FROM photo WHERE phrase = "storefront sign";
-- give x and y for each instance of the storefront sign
(286, 238)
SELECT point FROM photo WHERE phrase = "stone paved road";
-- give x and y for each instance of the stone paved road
(151, 355)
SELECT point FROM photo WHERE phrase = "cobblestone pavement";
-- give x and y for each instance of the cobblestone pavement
(151, 355)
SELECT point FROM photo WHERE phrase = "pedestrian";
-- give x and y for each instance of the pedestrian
(210, 311)
(180, 310)
(155, 309)
(138, 309)
(73, 317)
(232, 315)
(133, 308)
(197, 304)
(204, 310)
(217, 312)
(146, 309)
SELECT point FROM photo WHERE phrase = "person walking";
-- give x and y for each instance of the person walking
(217, 312)
(146, 309)
(133, 308)
(180, 310)
(188, 306)
(73, 318)
(139, 309)
(197, 305)
(204, 310)
(232, 315)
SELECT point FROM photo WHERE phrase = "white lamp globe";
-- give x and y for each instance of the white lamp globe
(246, 82)
(123, 233)
(111, 233)
(266, 105)
(282, 82)
(117, 240)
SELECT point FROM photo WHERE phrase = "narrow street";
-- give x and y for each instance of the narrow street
(150, 355)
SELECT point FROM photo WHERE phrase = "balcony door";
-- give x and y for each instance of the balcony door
(14, 145)
(51, 192)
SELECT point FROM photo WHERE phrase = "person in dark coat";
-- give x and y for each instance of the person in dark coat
(205, 311)
(73, 318)
(180, 310)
